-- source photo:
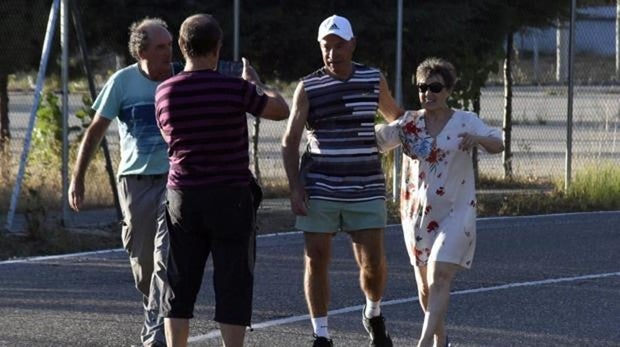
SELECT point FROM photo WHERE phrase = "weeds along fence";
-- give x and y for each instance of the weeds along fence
(539, 127)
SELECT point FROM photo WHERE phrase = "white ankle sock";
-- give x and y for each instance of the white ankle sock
(319, 324)
(373, 308)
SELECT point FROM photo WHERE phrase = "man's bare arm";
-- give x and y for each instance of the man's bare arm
(276, 107)
(90, 142)
(290, 148)
(387, 105)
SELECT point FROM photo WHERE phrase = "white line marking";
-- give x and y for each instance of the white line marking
(551, 215)
(104, 251)
(59, 256)
(115, 250)
(389, 228)
(281, 321)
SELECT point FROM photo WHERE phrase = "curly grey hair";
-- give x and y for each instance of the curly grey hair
(138, 35)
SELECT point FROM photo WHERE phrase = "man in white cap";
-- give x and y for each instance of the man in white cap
(339, 185)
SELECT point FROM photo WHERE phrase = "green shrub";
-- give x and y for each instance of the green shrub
(47, 137)
(47, 134)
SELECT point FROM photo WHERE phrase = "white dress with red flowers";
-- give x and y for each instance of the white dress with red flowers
(438, 194)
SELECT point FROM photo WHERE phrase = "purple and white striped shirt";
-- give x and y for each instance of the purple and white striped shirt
(341, 161)
(202, 117)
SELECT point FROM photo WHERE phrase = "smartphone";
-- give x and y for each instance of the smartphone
(230, 68)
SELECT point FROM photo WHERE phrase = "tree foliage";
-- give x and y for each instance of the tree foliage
(279, 36)
(106, 22)
(21, 35)
(22, 31)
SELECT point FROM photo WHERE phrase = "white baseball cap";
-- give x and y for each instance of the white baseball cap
(335, 25)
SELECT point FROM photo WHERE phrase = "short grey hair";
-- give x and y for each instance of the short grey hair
(436, 66)
(138, 35)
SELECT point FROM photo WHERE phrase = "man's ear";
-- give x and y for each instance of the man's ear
(180, 44)
(353, 43)
(218, 47)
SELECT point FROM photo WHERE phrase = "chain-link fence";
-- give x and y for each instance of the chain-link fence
(540, 97)
(539, 106)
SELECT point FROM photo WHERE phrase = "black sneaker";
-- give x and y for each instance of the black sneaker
(375, 326)
(321, 341)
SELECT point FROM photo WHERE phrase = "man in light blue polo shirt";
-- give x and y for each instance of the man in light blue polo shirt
(129, 97)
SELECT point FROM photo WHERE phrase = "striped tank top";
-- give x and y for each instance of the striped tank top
(341, 161)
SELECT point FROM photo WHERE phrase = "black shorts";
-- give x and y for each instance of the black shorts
(221, 222)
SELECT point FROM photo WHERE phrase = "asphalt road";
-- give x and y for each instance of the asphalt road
(536, 281)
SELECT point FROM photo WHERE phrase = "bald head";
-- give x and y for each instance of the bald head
(141, 31)
(199, 35)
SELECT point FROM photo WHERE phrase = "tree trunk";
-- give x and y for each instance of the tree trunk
(507, 155)
(5, 132)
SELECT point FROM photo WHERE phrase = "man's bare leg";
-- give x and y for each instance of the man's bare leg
(177, 331)
(232, 335)
(370, 257)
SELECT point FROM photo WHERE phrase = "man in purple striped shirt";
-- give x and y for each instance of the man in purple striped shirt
(202, 116)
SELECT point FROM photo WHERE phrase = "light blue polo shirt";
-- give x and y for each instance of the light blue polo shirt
(129, 97)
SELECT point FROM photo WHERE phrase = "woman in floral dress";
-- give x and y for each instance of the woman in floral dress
(438, 198)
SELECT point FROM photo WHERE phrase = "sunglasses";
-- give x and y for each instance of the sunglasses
(434, 87)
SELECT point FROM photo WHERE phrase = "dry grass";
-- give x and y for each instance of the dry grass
(44, 179)
(41, 193)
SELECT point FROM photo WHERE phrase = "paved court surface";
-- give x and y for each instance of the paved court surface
(536, 281)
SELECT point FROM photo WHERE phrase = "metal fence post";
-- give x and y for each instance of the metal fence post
(47, 48)
(569, 108)
(399, 96)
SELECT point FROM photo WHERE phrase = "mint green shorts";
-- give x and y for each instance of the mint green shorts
(325, 216)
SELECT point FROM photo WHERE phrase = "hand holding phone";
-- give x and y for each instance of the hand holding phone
(230, 68)
(248, 73)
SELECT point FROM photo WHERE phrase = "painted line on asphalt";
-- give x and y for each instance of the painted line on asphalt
(282, 321)
(389, 228)
(105, 251)
(59, 256)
